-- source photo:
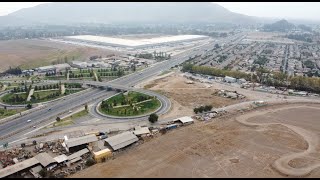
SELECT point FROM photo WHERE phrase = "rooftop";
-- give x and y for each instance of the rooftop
(78, 154)
(81, 140)
(134, 43)
(121, 140)
(45, 159)
(18, 167)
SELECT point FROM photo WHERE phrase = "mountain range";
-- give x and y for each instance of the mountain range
(66, 13)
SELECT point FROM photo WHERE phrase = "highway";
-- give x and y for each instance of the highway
(16, 128)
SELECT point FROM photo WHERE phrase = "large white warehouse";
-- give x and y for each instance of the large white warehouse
(139, 43)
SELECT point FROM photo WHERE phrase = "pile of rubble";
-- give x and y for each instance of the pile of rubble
(230, 94)
(12, 156)
(210, 115)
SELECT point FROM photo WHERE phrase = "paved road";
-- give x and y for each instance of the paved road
(13, 130)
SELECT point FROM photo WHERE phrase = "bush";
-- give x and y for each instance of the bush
(58, 119)
(90, 162)
(29, 106)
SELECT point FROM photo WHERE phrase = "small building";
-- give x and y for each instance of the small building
(184, 120)
(140, 131)
(62, 67)
(99, 156)
(46, 69)
(121, 140)
(79, 64)
(10, 170)
(230, 79)
(75, 144)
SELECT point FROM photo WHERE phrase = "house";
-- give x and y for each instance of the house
(121, 140)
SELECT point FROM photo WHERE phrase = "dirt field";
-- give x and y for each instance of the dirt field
(184, 97)
(225, 147)
(34, 53)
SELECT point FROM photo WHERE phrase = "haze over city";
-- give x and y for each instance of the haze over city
(162, 89)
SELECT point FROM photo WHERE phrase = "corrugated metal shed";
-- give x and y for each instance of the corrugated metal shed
(121, 140)
(18, 167)
(78, 154)
(81, 140)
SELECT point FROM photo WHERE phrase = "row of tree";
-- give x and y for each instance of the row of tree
(214, 71)
(202, 109)
(46, 87)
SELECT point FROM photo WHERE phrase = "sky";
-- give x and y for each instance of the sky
(288, 10)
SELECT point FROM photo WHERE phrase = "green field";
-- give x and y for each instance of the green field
(8, 112)
(11, 99)
(69, 120)
(133, 104)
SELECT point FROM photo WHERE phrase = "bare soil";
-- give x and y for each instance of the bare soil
(222, 147)
(31, 53)
(185, 97)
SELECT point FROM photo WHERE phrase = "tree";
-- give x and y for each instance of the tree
(43, 172)
(29, 106)
(86, 107)
(153, 118)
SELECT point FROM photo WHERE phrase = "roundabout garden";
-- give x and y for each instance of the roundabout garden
(130, 104)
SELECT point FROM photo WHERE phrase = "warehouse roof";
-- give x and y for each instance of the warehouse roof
(61, 158)
(81, 140)
(18, 167)
(45, 159)
(121, 140)
(133, 43)
(78, 154)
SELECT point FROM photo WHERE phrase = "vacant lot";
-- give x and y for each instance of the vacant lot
(34, 53)
(184, 97)
(223, 147)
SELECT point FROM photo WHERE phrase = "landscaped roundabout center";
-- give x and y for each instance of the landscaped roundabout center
(130, 104)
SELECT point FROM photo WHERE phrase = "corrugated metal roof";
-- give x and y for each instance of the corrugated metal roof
(81, 140)
(185, 119)
(121, 140)
(141, 130)
(18, 167)
(45, 159)
(78, 154)
(61, 158)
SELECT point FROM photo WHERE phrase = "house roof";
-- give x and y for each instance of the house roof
(184, 119)
(81, 140)
(121, 140)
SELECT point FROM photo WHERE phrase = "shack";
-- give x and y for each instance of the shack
(140, 131)
(101, 155)
(184, 120)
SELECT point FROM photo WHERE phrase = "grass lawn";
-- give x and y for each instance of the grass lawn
(69, 120)
(7, 99)
(9, 112)
(43, 96)
(141, 104)
(55, 78)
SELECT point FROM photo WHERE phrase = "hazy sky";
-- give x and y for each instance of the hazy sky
(296, 10)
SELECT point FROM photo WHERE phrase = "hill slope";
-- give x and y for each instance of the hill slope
(130, 12)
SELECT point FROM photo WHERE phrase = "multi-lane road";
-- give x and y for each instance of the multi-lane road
(17, 128)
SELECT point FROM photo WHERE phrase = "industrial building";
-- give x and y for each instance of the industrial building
(135, 44)
(121, 140)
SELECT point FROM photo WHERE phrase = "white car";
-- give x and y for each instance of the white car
(29, 120)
